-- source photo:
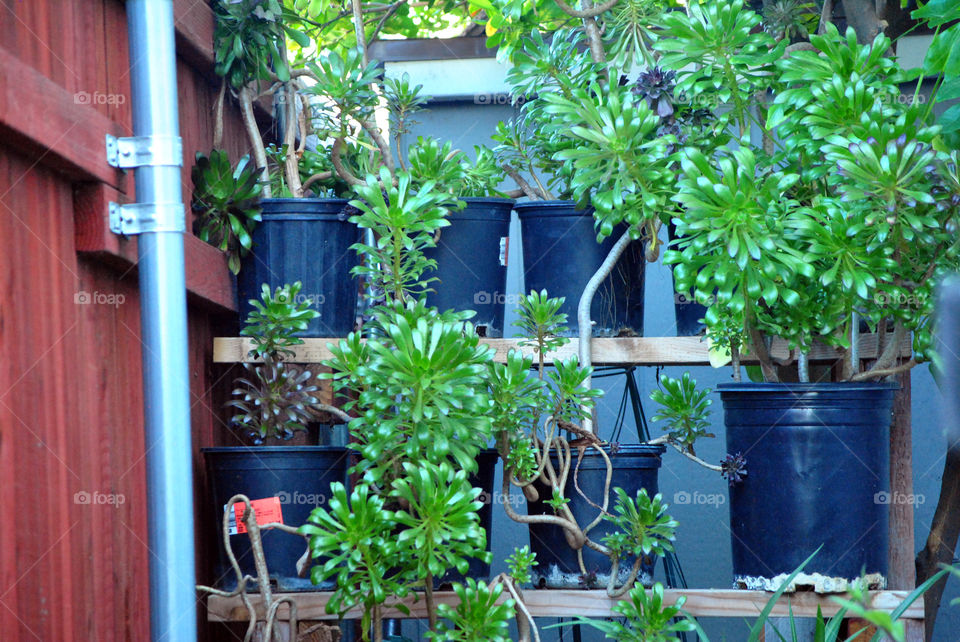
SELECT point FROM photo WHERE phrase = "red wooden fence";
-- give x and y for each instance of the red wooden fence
(73, 554)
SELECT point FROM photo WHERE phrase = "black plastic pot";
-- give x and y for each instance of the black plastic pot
(635, 466)
(300, 476)
(306, 240)
(688, 312)
(471, 258)
(817, 460)
(561, 253)
(483, 479)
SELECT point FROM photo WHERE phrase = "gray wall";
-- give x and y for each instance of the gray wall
(703, 545)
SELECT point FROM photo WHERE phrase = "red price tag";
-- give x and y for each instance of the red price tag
(266, 511)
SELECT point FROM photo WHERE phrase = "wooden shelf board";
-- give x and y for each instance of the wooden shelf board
(568, 603)
(638, 351)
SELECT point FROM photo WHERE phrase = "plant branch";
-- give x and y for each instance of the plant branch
(525, 187)
(583, 310)
(256, 140)
(431, 604)
(381, 143)
(888, 357)
(218, 115)
(338, 166)
(291, 160)
(573, 529)
(885, 372)
(591, 12)
(392, 9)
(319, 176)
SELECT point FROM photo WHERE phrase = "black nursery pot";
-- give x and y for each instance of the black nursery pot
(635, 466)
(300, 476)
(817, 461)
(561, 253)
(688, 312)
(484, 480)
(306, 240)
(471, 258)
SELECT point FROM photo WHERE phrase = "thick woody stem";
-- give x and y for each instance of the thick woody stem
(292, 160)
(357, 10)
(888, 357)
(612, 589)
(320, 176)
(595, 37)
(583, 311)
(380, 142)
(569, 527)
(256, 140)
(431, 604)
(591, 12)
(338, 166)
(528, 190)
(885, 372)
(218, 116)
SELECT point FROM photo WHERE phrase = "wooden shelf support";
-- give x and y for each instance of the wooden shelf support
(637, 351)
(568, 603)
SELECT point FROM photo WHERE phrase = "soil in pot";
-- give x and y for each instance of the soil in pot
(300, 476)
(635, 466)
(561, 253)
(817, 462)
(471, 256)
(306, 240)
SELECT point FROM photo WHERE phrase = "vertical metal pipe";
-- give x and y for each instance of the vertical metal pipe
(163, 317)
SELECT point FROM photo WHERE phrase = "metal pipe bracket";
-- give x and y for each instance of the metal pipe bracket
(139, 218)
(139, 151)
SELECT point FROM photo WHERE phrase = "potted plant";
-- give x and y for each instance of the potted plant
(416, 389)
(302, 235)
(275, 401)
(841, 215)
(471, 253)
(225, 198)
(561, 217)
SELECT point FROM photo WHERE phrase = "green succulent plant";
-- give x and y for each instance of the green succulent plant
(477, 615)
(276, 398)
(683, 408)
(226, 201)
(645, 618)
(275, 319)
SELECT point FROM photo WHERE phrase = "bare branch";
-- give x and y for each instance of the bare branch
(590, 12)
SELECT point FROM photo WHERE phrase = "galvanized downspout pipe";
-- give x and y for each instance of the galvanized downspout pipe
(163, 318)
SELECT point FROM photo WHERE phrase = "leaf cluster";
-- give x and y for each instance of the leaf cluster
(225, 198)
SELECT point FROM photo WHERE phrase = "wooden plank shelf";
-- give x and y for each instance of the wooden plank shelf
(620, 351)
(568, 603)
